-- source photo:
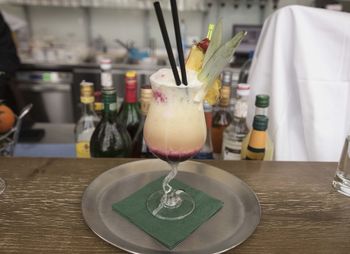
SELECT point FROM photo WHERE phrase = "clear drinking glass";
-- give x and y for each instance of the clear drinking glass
(174, 131)
(2, 185)
(341, 181)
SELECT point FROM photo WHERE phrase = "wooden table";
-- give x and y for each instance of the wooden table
(40, 209)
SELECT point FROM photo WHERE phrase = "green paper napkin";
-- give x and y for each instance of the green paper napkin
(169, 233)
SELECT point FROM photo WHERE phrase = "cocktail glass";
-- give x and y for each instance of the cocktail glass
(174, 131)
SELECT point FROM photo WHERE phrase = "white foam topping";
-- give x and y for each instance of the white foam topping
(165, 77)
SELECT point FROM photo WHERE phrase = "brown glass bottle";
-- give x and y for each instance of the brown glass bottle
(221, 119)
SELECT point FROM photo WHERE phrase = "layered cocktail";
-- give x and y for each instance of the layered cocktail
(175, 127)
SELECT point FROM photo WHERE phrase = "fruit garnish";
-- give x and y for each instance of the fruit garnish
(213, 92)
(203, 44)
(219, 59)
(195, 58)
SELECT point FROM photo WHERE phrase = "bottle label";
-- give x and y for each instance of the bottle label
(225, 93)
(106, 79)
(258, 139)
(255, 154)
(109, 100)
(241, 109)
(112, 106)
(82, 149)
(231, 150)
(256, 146)
(87, 99)
(98, 106)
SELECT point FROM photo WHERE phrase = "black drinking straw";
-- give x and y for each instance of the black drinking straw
(178, 41)
(167, 42)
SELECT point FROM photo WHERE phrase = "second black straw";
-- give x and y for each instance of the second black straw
(178, 41)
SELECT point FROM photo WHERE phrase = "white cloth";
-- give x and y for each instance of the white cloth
(302, 61)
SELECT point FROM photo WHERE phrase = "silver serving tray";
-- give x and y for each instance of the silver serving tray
(233, 224)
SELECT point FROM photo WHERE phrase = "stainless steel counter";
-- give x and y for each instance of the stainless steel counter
(58, 141)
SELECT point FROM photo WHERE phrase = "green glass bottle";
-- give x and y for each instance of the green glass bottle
(262, 102)
(110, 138)
(257, 143)
(130, 113)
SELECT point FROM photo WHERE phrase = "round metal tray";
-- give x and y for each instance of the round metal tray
(233, 224)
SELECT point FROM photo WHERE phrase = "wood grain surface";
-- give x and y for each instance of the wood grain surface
(40, 211)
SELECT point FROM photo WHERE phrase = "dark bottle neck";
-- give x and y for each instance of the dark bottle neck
(109, 98)
(88, 108)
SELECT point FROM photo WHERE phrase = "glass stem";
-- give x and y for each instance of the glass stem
(166, 186)
(170, 198)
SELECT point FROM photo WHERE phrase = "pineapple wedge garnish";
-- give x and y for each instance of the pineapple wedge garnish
(197, 56)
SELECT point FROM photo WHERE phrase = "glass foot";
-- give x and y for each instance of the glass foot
(341, 184)
(175, 206)
(2, 185)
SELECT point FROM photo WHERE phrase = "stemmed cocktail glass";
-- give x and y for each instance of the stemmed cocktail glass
(175, 128)
(174, 131)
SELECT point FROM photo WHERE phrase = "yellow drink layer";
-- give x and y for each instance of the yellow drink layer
(175, 123)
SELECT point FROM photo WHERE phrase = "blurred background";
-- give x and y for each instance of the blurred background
(60, 43)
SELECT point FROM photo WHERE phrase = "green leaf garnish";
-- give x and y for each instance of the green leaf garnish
(219, 59)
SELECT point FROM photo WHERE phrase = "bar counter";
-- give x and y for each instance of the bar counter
(40, 210)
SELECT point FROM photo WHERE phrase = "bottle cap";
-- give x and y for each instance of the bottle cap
(260, 122)
(262, 100)
(130, 74)
(130, 87)
(146, 97)
(243, 89)
(105, 64)
(86, 92)
(225, 94)
(146, 93)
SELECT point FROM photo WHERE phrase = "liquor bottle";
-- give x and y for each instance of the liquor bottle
(130, 114)
(87, 122)
(221, 119)
(206, 153)
(235, 133)
(262, 102)
(139, 147)
(110, 138)
(257, 141)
